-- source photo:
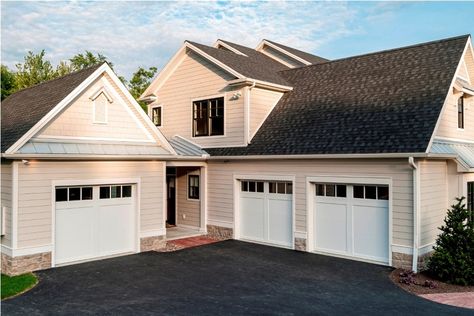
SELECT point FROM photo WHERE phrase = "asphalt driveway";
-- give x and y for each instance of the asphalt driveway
(230, 277)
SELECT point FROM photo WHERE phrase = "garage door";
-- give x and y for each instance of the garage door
(352, 220)
(93, 222)
(266, 212)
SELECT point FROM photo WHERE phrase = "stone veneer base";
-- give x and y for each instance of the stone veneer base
(23, 264)
(152, 243)
(300, 244)
(219, 232)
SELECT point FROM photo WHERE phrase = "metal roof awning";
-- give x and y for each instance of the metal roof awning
(463, 151)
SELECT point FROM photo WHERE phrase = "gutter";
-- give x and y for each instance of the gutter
(260, 84)
(104, 157)
(416, 212)
(337, 156)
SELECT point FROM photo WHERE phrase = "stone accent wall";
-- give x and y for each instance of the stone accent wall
(19, 265)
(152, 243)
(219, 232)
(401, 260)
(300, 244)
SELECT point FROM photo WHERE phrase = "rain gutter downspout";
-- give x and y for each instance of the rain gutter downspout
(416, 212)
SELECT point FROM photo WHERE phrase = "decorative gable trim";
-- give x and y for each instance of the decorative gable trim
(225, 45)
(98, 92)
(105, 68)
(264, 43)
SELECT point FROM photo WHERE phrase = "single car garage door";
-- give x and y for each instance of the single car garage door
(352, 220)
(266, 212)
(93, 222)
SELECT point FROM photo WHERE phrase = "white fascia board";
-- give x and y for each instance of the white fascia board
(335, 156)
(100, 157)
(232, 49)
(281, 50)
(451, 86)
(260, 84)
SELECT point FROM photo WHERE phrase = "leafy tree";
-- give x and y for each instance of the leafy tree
(88, 59)
(8, 82)
(141, 79)
(63, 68)
(34, 70)
(453, 257)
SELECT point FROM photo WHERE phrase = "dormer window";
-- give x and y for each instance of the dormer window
(100, 100)
(156, 115)
(208, 117)
(461, 112)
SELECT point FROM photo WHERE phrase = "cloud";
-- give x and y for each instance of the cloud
(133, 34)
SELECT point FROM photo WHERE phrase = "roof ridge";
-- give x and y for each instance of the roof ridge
(54, 79)
(384, 51)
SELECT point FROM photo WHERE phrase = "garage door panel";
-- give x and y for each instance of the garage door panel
(252, 218)
(118, 237)
(331, 227)
(370, 232)
(279, 219)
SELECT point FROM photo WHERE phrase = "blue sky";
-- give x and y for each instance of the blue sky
(133, 34)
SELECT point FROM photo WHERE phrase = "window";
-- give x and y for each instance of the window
(73, 194)
(371, 192)
(100, 109)
(461, 112)
(156, 115)
(208, 117)
(280, 187)
(193, 187)
(470, 199)
(252, 186)
(331, 190)
(115, 191)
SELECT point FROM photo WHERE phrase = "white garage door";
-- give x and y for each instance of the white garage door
(266, 212)
(93, 222)
(352, 220)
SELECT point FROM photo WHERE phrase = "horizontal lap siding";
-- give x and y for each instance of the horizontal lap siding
(261, 104)
(185, 206)
(221, 200)
(35, 193)
(197, 78)
(6, 196)
(434, 199)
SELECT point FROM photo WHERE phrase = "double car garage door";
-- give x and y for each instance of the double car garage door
(348, 219)
(93, 222)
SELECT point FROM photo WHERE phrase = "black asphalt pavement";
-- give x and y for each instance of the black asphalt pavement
(226, 278)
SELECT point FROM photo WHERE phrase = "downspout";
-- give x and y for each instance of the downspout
(416, 212)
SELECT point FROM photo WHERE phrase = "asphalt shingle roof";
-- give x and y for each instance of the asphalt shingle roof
(23, 109)
(313, 59)
(256, 65)
(385, 102)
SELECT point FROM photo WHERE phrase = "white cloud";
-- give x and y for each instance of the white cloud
(133, 34)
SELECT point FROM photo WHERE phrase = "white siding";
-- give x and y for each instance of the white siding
(6, 196)
(35, 193)
(221, 199)
(197, 78)
(185, 206)
(261, 104)
(434, 199)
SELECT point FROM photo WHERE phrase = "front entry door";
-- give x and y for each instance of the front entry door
(171, 198)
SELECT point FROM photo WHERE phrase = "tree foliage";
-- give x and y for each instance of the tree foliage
(87, 59)
(453, 257)
(8, 82)
(141, 79)
(35, 69)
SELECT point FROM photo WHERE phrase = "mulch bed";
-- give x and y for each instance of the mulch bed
(421, 278)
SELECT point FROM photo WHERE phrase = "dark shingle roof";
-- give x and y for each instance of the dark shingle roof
(385, 102)
(23, 109)
(255, 66)
(313, 59)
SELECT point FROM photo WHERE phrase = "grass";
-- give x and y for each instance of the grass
(15, 285)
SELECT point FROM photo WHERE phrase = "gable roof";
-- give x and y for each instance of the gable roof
(312, 59)
(23, 109)
(384, 102)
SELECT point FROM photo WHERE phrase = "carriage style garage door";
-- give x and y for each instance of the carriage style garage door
(266, 212)
(352, 220)
(93, 222)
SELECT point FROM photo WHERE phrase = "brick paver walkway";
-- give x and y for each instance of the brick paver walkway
(463, 299)
(192, 242)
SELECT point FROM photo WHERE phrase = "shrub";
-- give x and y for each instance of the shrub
(453, 257)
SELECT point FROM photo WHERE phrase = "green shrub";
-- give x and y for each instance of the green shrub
(453, 257)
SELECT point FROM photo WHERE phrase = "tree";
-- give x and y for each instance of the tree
(141, 79)
(34, 70)
(88, 59)
(453, 257)
(63, 68)
(8, 82)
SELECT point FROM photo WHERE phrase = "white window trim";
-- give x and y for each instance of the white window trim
(215, 96)
(463, 113)
(152, 107)
(94, 119)
(187, 186)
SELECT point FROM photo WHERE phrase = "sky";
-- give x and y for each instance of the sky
(143, 34)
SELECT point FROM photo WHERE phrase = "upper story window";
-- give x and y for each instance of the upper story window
(461, 112)
(208, 117)
(156, 115)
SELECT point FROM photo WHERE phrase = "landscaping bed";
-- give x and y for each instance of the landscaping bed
(16, 285)
(420, 283)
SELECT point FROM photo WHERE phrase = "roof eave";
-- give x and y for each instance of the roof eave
(337, 156)
(260, 84)
(101, 157)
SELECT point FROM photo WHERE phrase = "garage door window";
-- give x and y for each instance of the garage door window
(331, 190)
(115, 191)
(252, 186)
(371, 192)
(281, 187)
(73, 194)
